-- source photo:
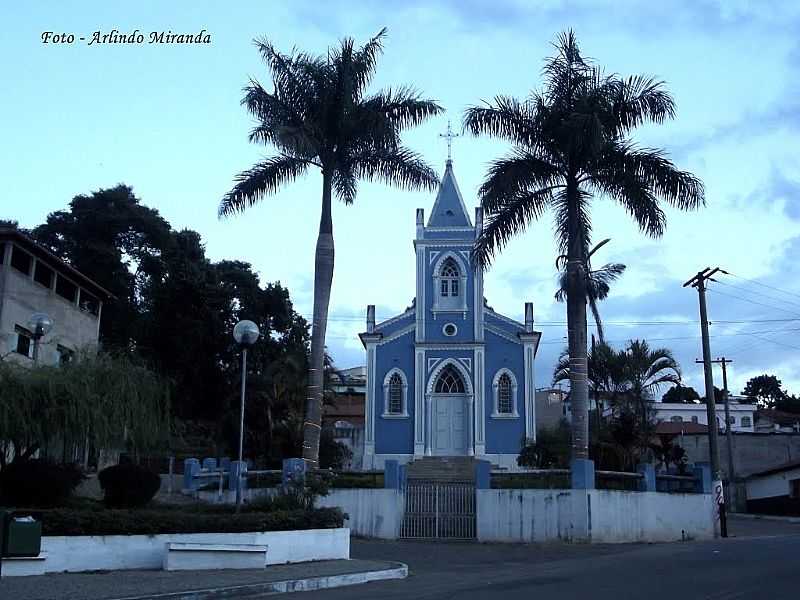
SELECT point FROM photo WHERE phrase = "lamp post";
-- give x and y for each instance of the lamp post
(246, 334)
(40, 324)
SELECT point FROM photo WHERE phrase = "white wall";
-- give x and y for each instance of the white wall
(769, 486)
(596, 516)
(664, 411)
(118, 552)
(370, 512)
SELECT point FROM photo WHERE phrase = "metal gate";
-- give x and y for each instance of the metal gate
(439, 511)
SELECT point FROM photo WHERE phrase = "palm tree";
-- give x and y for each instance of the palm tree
(571, 144)
(318, 115)
(646, 370)
(597, 283)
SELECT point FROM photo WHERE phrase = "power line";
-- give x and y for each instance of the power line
(765, 285)
(749, 291)
(752, 301)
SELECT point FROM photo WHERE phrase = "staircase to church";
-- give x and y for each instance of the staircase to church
(442, 469)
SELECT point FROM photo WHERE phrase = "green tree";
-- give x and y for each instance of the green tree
(597, 283)
(766, 390)
(112, 238)
(319, 116)
(572, 143)
(681, 394)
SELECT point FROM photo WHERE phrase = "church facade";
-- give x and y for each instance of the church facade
(449, 376)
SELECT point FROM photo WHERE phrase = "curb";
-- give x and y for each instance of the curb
(398, 571)
(765, 517)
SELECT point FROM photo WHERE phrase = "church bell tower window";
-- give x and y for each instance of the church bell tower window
(450, 278)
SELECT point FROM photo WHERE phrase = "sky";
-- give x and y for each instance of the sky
(167, 120)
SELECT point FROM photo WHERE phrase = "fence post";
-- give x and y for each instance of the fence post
(210, 464)
(648, 481)
(225, 463)
(238, 470)
(483, 474)
(582, 474)
(171, 473)
(702, 478)
(191, 468)
(391, 475)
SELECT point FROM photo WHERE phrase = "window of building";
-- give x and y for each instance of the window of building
(450, 329)
(694, 419)
(66, 289)
(21, 260)
(43, 274)
(504, 400)
(24, 341)
(449, 382)
(89, 303)
(450, 278)
(65, 355)
(731, 420)
(677, 419)
(746, 422)
(395, 390)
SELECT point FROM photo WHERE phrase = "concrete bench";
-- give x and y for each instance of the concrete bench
(182, 556)
(16, 566)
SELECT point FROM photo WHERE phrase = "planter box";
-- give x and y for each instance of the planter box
(182, 556)
(118, 552)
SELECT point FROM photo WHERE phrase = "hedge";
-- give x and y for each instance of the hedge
(70, 522)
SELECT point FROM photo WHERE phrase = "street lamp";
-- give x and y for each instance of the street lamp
(246, 334)
(40, 324)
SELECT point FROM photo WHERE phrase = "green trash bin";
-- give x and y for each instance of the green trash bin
(21, 535)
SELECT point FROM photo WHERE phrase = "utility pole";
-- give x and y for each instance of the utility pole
(726, 394)
(699, 282)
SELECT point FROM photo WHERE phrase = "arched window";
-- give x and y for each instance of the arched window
(449, 382)
(450, 278)
(505, 403)
(395, 389)
(505, 395)
(395, 395)
(746, 422)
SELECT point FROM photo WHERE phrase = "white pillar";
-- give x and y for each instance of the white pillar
(428, 420)
(470, 424)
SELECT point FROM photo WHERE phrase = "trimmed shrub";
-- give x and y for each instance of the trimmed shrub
(128, 485)
(154, 521)
(38, 482)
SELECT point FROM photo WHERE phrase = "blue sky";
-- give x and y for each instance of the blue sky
(167, 120)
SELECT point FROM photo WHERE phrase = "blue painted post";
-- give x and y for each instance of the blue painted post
(403, 476)
(648, 481)
(238, 469)
(191, 467)
(582, 474)
(702, 478)
(294, 469)
(483, 474)
(391, 475)
(210, 464)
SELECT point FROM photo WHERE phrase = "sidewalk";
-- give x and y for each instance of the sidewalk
(199, 585)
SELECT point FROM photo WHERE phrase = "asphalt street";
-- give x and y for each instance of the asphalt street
(760, 560)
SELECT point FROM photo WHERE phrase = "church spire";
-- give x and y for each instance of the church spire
(448, 209)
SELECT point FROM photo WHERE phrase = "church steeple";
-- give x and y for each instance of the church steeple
(448, 209)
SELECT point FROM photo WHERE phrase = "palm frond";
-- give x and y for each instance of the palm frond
(396, 166)
(402, 108)
(263, 179)
(508, 220)
(509, 176)
(639, 99)
(509, 119)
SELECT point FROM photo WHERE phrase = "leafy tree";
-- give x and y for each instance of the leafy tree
(571, 143)
(597, 283)
(318, 115)
(100, 399)
(550, 449)
(112, 238)
(681, 394)
(766, 390)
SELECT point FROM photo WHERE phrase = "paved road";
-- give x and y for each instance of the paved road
(762, 560)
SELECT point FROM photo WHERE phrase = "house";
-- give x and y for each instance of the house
(769, 420)
(775, 491)
(741, 413)
(33, 280)
(345, 416)
(551, 407)
(449, 376)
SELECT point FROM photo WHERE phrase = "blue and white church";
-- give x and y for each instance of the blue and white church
(449, 376)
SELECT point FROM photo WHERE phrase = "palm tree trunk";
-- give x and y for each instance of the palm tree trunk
(576, 326)
(323, 279)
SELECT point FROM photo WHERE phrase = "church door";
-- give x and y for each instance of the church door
(450, 435)
(449, 414)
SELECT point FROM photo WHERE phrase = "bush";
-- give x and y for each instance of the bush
(128, 485)
(151, 521)
(550, 450)
(333, 454)
(38, 483)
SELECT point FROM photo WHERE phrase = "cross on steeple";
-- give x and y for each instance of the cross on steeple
(449, 135)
